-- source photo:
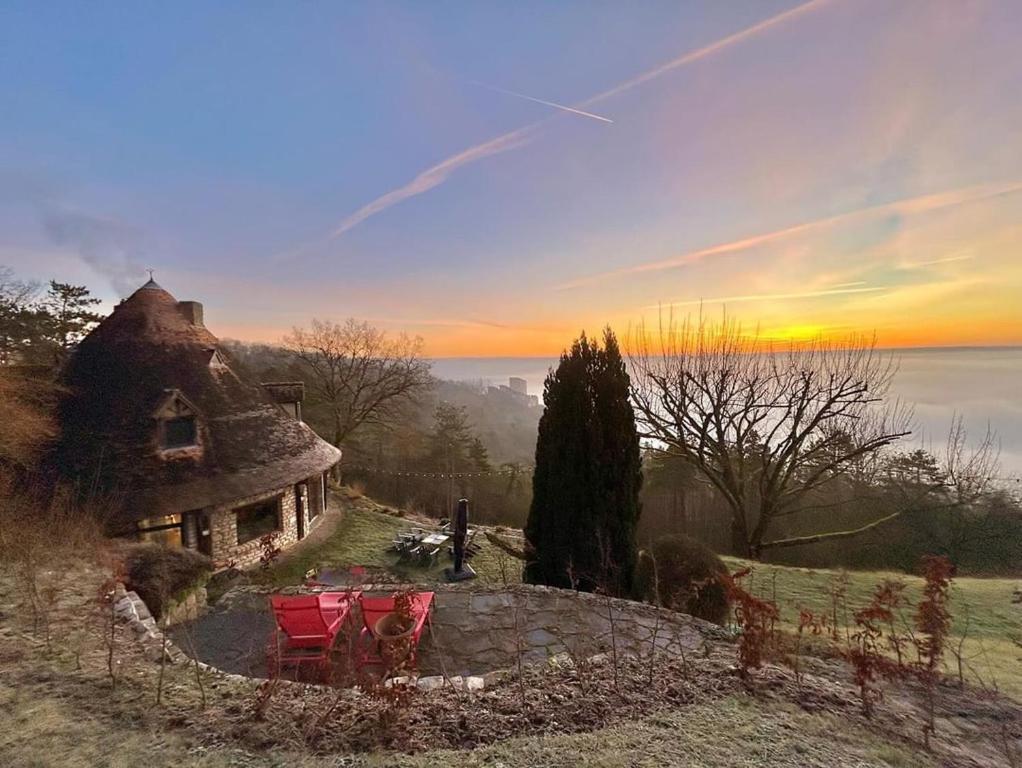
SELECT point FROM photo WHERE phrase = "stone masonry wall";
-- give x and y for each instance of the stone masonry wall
(224, 529)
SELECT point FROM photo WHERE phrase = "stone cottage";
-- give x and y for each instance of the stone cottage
(163, 435)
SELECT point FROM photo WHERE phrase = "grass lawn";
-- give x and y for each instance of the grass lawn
(363, 537)
(982, 608)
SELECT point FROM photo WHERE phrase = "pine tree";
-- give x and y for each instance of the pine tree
(70, 315)
(585, 504)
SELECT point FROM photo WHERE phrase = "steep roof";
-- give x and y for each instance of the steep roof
(152, 351)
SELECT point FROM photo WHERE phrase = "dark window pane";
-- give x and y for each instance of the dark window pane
(179, 433)
(257, 520)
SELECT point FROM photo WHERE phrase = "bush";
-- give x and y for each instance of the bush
(162, 574)
(682, 574)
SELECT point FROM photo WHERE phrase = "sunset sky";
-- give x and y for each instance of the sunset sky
(496, 177)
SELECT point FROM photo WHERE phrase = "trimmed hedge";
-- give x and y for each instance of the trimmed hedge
(163, 575)
(682, 574)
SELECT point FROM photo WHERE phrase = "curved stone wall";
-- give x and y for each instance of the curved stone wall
(475, 629)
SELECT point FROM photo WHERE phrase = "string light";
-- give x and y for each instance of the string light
(439, 475)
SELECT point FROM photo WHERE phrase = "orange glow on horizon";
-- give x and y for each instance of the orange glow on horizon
(508, 343)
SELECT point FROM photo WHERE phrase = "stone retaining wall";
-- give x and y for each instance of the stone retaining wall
(132, 610)
(189, 608)
(476, 631)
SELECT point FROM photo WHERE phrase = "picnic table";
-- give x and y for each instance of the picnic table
(424, 546)
(419, 544)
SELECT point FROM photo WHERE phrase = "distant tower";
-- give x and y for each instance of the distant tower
(521, 386)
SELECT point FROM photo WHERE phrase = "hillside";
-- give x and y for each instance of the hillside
(675, 710)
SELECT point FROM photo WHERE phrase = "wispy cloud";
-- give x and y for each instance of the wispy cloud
(910, 265)
(439, 173)
(906, 206)
(553, 104)
(834, 291)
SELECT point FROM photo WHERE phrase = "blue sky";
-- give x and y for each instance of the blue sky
(818, 167)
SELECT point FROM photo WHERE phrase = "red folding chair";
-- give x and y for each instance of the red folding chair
(375, 608)
(338, 603)
(310, 624)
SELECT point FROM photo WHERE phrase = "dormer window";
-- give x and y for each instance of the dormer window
(177, 424)
(217, 361)
(179, 433)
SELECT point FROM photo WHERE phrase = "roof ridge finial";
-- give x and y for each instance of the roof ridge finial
(152, 284)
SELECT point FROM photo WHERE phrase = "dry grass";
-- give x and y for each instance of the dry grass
(363, 536)
(739, 732)
(982, 609)
(60, 709)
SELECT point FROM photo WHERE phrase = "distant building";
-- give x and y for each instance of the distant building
(516, 388)
(177, 447)
(521, 386)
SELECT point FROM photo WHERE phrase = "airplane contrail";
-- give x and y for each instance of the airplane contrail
(832, 291)
(437, 174)
(434, 175)
(553, 104)
(905, 206)
(706, 50)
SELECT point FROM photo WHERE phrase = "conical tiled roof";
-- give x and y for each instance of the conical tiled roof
(148, 350)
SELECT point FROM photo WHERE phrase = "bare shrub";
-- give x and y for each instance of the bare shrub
(933, 622)
(160, 575)
(682, 574)
(39, 541)
(816, 624)
(866, 651)
(26, 416)
(269, 549)
(755, 619)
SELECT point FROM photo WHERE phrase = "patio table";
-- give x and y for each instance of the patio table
(435, 539)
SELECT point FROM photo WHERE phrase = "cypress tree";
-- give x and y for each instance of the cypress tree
(585, 489)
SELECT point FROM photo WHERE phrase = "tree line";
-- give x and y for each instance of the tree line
(793, 453)
(790, 453)
(374, 397)
(40, 325)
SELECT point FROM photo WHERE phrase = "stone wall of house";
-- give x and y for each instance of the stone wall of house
(224, 529)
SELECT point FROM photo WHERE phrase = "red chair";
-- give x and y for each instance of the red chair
(375, 608)
(310, 625)
(338, 603)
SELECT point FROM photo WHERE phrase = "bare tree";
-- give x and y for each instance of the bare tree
(358, 374)
(952, 497)
(765, 426)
